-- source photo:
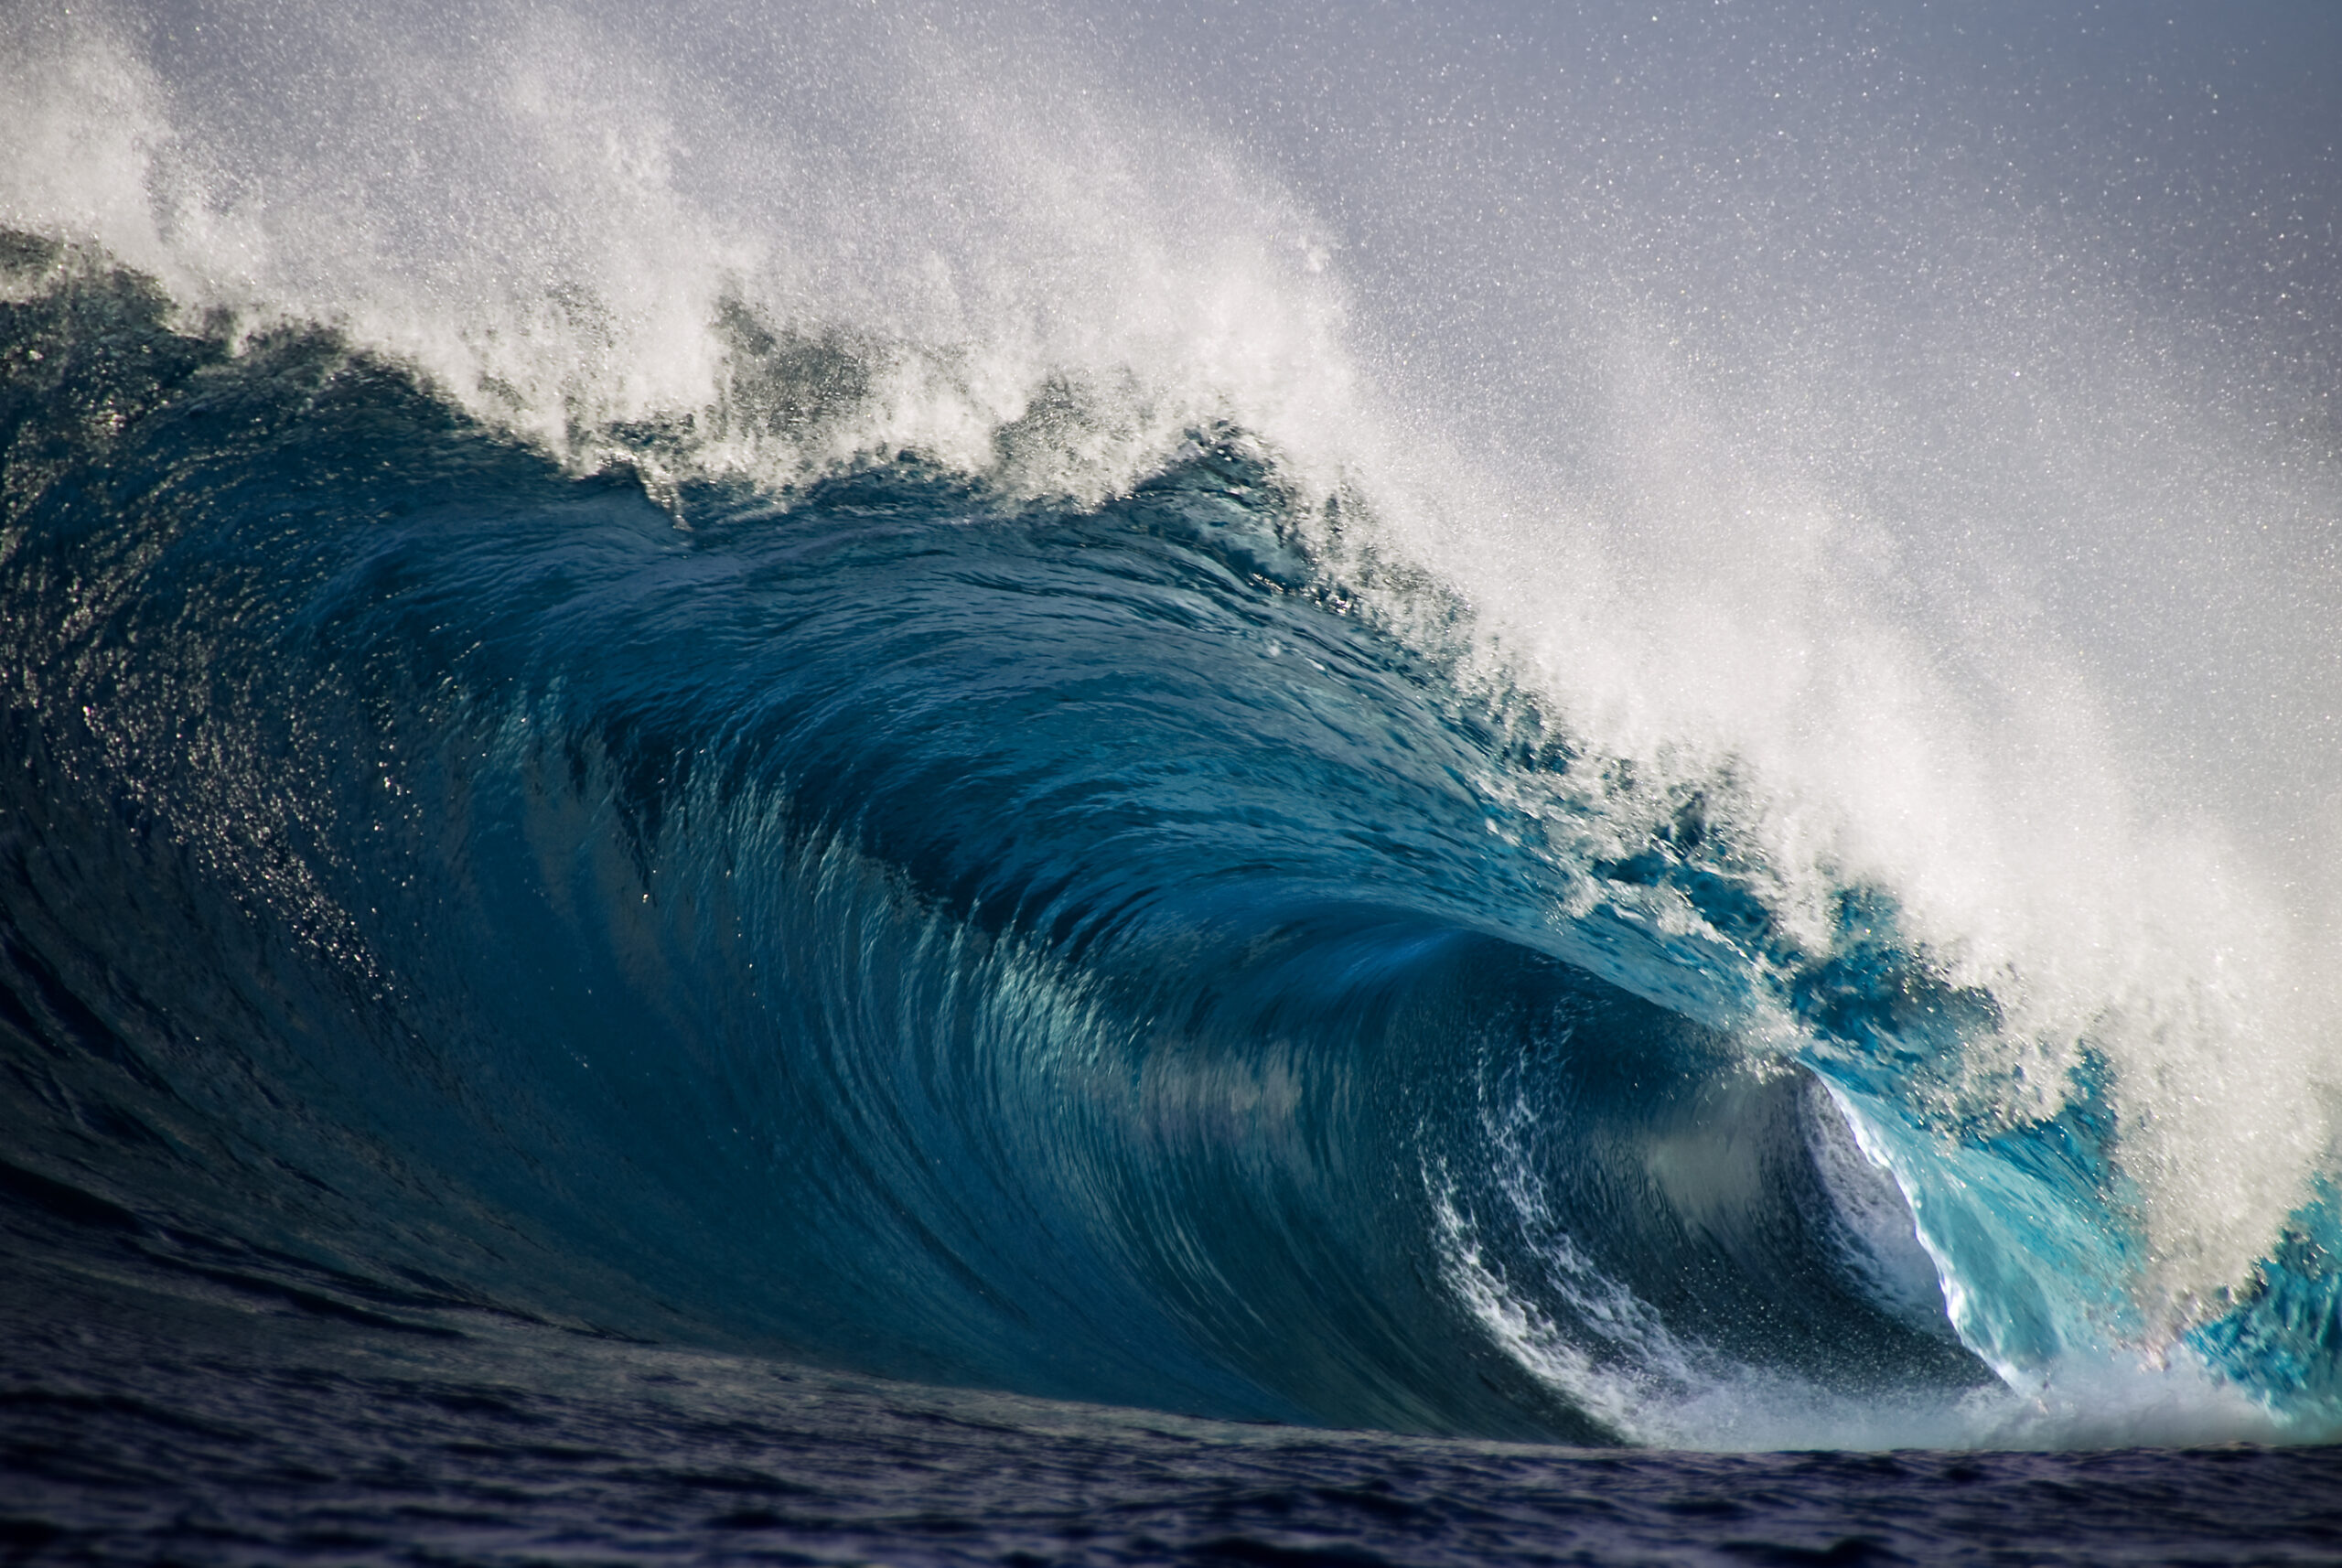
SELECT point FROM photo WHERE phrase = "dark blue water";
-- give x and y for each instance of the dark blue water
(236, 1429)
(525, 997)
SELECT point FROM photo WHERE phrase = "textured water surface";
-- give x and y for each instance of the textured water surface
(145, 1428)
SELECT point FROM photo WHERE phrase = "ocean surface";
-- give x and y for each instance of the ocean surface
(243, 1422)
(689, 869)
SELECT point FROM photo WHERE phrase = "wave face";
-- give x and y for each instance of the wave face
(1061, 948)
(1021, 828)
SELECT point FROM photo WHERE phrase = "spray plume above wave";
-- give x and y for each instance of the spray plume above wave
(1178, 718)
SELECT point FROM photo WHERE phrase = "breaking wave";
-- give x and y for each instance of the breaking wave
(1001, 809)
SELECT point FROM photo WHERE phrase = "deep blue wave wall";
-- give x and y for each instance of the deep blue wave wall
(1061, 948)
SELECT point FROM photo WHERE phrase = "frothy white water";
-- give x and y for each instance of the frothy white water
(1812, 437)
(571, 226)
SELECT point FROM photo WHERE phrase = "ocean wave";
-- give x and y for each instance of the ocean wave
(1147, 942)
